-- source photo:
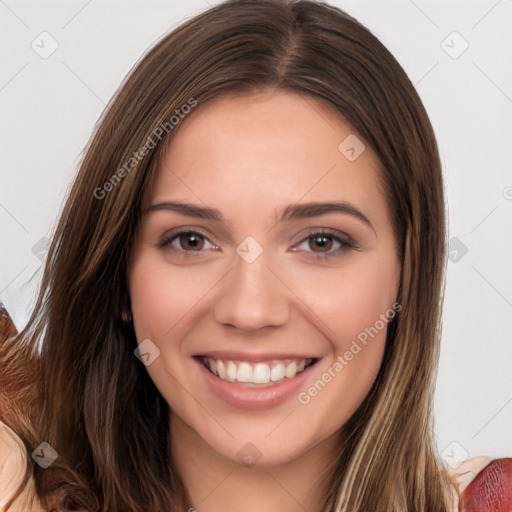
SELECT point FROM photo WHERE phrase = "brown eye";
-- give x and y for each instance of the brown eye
(323, 242)
(191, 241)
(186, 242)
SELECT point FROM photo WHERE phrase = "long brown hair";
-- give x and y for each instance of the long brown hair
(81, 389)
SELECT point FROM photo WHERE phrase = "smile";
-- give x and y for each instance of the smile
(256, 373)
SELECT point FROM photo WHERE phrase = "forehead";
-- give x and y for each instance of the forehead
(258, 151)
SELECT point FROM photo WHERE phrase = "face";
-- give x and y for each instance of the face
(263, 313)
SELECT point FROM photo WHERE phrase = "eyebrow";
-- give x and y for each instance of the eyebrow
(291, 212)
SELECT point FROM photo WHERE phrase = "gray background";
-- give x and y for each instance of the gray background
(50, 103)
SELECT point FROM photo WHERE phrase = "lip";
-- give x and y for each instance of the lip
(254, 398)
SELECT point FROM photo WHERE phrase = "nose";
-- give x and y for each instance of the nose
(252, 296)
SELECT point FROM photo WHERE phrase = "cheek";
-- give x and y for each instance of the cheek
(356, 305)
(371, 305)
(152, 301)
(162, 297)
(352, 298)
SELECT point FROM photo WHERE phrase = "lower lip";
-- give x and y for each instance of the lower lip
(254, 398)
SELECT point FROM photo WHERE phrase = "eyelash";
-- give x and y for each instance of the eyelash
(345, 242)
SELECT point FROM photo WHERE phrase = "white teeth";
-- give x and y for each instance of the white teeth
(291, 370)
(277, 373)
(261, 374)
(221, 370)
(231, 371)
(244, 373)
(255, 373)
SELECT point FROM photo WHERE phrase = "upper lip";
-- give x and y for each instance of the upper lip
(253, 357)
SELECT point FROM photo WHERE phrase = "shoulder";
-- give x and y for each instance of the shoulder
(482, 484)
(13, 462)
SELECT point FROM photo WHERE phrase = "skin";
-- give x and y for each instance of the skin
(250, 156)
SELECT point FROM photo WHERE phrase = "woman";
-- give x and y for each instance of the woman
(195, 353)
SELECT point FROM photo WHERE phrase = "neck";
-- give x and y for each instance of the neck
(215, 483)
